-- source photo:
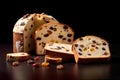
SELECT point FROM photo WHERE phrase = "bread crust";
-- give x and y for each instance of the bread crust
(14, 57)
(89, 60)
(64, 56)
(79, 59)
(53, 60)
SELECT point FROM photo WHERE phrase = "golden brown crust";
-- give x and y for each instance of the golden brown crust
(53, 60)
(54, 23)
(65, 57)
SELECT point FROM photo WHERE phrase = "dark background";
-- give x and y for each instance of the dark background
(98, 18)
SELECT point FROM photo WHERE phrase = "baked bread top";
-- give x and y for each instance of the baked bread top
(34, 19)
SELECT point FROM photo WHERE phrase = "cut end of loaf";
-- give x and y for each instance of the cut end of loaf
(91, 48)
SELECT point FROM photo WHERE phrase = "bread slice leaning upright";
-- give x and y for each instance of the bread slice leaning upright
(52, 32)
(91, 48)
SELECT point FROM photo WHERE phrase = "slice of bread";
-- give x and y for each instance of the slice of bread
(91, 49)
(52, 32)
(20, 56)
(58, 52)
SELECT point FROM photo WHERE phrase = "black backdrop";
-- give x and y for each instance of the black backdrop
(86, 18)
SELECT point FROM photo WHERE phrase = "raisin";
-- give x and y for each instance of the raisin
(76, 45)
(37, 58)
(103, 48)
(43, 44)
(58, 47)
(45, 64)
(36, 64)
(69, 40)
(60, 36)
(85, 49)
(93, 45)
(22, 24)
(94, 41)
(67, 50)
(80, 49)
(64, 38)
(65, 27)
(63, 47)
(49, 32)
(69, 35)
(89, 54)
(104, 43)
(81, 39)
(51, 28)
(96, 47)
(46, 35)
(55, 29)
(31, 26)
(38, 38)
(81, 46)
(80, 53)
(25, 29)
(105, 53)
(92, 49)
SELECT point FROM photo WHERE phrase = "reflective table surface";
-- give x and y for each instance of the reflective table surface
(71, 71)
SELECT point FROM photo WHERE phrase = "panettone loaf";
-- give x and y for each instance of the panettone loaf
(52, 32)
(91, 49)
(58, 52)
(24, 29)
